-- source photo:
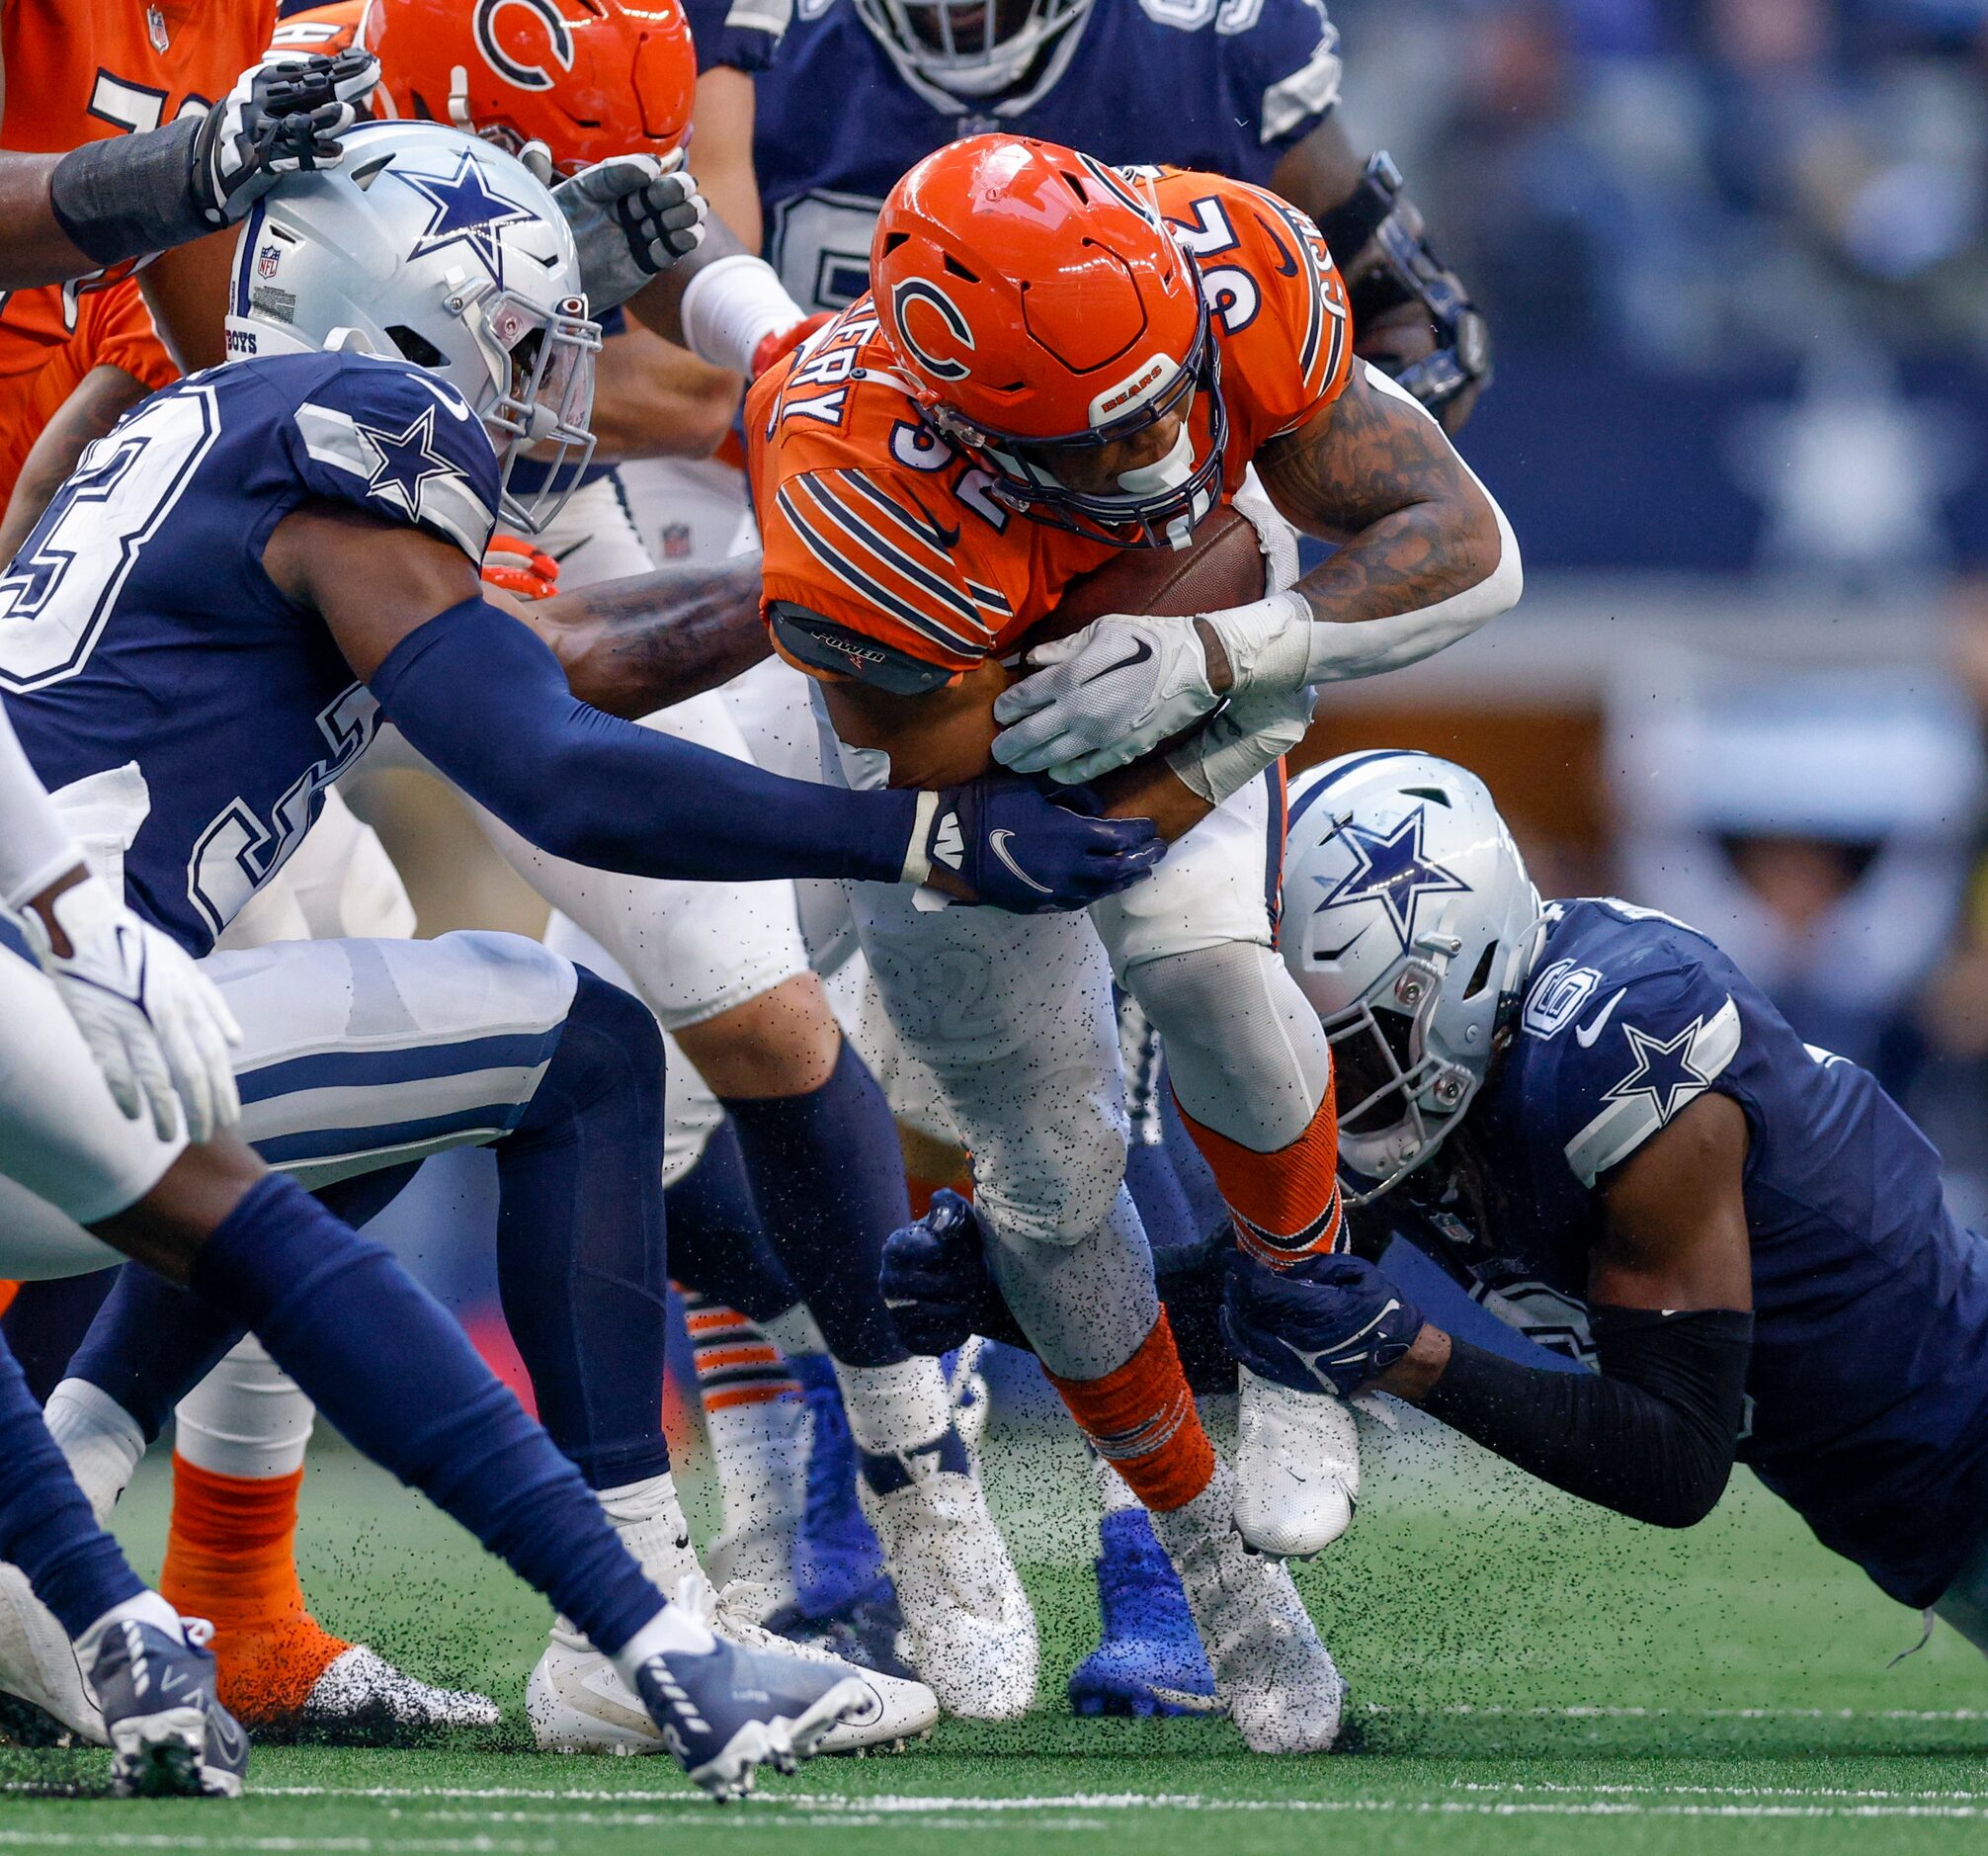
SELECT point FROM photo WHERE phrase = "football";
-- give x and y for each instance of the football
(1224, 566)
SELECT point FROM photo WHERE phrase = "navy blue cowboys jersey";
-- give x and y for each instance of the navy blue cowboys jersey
(741, 34)
(1868, 1392)
(137, 626)
(1223, 86)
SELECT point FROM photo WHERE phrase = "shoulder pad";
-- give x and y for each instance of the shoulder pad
(841, 652)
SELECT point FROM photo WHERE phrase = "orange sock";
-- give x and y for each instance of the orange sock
(1143, 1422)
(1285, 1204)
(229, 1559)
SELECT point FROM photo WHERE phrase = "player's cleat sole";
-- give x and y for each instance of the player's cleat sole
(578, 1704)
(1148, 1660)
(171, 1738)
(971, 1628)
(1282, 1686)
(38, 1672)
(1297, 1467)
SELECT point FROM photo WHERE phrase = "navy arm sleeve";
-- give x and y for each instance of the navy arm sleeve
(1652, 1435)
(484, 697)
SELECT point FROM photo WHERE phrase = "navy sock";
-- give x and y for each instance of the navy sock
(46, 1525)
(151, 1344)
(828, 1177)
(582, 1252)
(388, 1365)
(718, 1245)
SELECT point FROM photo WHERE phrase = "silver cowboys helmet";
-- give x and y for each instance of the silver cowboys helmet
(440, 248)
(1411, 925)
(969, 47)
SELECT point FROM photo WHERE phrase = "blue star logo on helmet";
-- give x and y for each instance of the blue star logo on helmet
(403, 463)
(1390, 868)
(466, 211)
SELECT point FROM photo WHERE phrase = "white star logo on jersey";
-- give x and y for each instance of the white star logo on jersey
(466, 212)
(403, 463)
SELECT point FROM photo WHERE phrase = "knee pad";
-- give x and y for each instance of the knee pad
(1245, 1051)
(610, 1042)
(1056, 1181)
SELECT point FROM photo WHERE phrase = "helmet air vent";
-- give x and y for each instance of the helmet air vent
(415, 346)
(1427, 793)
(1482, 977)
(364, 177)
(955, 269)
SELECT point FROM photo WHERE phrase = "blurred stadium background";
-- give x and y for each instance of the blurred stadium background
(1734, 261)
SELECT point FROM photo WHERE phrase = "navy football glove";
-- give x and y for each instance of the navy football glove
(1331, 1327)
(1018, 850)
(936, 1281)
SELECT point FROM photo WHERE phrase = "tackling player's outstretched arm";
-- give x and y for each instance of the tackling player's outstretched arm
(123, 198)
(1651, 1435)
(489, 704)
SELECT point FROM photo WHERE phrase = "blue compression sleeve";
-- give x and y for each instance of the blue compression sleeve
(485, 699)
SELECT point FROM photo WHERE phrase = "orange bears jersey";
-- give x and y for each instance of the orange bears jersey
(873, 522)
(114, 330)
(320, 32)
(77, 73)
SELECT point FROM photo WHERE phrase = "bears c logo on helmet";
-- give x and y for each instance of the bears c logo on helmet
(917, 290)
(511, 69)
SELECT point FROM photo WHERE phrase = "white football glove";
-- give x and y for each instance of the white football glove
(1119, 688)
(282, 117)
(157, 1025)
(633, 217)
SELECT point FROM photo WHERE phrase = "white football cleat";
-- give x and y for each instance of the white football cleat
(971, 1630)
(37, 1662)
(362, 1693)
(1281, 1687)
(1297, 1467)
(577, 1702)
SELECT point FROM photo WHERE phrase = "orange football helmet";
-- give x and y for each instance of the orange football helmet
(588, 78)
(1037, 303)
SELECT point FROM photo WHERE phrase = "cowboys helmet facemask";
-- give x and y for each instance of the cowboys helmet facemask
(969, 47)
(1411, 925)
(431, 245)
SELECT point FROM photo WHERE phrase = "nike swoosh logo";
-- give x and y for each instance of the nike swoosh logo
(1141, 651)
(997, 842)
(1584, 1035)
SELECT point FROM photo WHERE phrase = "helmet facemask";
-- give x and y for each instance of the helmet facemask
(546, 409)
(970, 47)
(1396, 1098)
(1159, 514)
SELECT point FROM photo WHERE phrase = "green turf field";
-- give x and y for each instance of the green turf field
(1529, 1675)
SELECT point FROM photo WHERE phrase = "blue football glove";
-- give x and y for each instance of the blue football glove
(936, 1281)
(1019, 850)
(1331, 1328)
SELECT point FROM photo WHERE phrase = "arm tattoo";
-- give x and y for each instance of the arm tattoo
(634, 647)
(1378, 476)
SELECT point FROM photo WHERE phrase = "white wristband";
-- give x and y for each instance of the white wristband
(1267, 642)
(1240, 742)
(733, 305)
(917, 864)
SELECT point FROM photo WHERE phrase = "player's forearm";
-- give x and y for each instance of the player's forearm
(722, 303)
(33, 248)
(490, 707)
(1652, 1435)
(634, 646)
(1411, 585)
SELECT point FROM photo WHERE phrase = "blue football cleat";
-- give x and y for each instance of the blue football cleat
(171, 1736)
(838, 1561)
(1149, 1660)
(729, 1712)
